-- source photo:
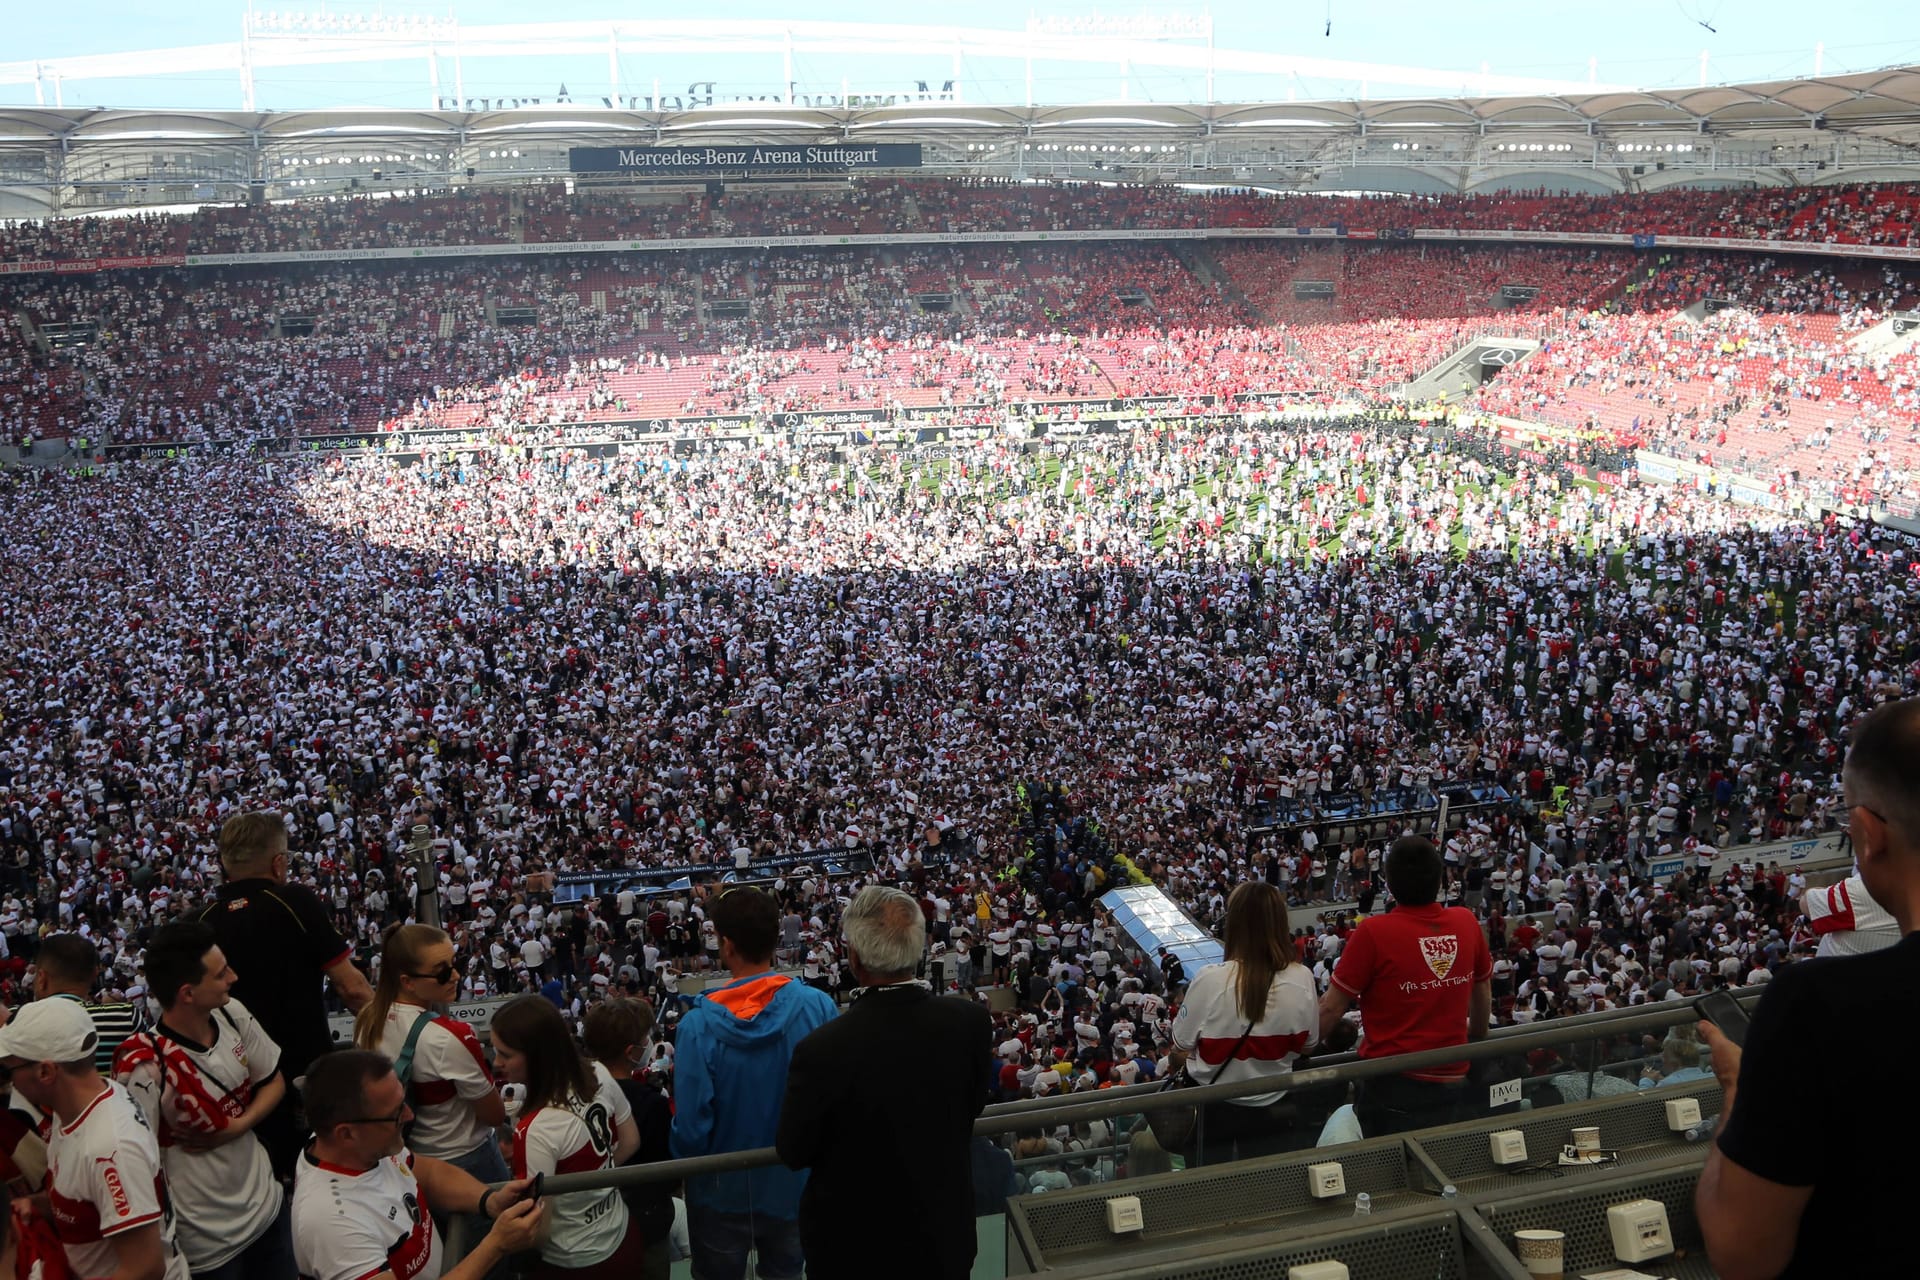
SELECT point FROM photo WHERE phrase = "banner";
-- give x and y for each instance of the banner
(1643, 242)
(752, 158)
(686, 435)
(812, 419)
(1816, 853)
(477, 1014)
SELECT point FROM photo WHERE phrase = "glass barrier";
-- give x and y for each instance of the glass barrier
(1037, 1146)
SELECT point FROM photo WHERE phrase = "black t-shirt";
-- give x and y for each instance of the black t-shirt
(280, 942)
(1826, 1100)
(650, 1203)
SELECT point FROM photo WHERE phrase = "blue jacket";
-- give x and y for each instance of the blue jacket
(730, 1059)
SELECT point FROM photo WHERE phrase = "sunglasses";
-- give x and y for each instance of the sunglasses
(443, 975)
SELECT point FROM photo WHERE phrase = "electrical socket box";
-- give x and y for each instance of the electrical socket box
(1639, 1229)
(1508, 1146)
(1331, 1270)
(1325, 1181)
(1682, 1114)
(1123, 1215)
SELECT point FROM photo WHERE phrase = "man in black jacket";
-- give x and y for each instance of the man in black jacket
(880, 1106)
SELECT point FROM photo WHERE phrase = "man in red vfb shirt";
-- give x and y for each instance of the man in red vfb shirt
(1422, 976)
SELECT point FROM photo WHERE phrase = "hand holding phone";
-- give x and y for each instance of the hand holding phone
(1725, 1013)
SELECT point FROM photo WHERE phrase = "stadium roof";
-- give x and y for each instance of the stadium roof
(1883, 104)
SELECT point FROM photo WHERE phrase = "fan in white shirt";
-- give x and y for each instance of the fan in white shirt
(573, 1121)
(203, 1078)
(107, 1191)
(363, 1205)
(1847, 920)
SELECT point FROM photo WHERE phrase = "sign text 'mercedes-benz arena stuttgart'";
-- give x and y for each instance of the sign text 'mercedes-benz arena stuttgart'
(744, 159)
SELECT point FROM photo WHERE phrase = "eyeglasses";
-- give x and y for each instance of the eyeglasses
(444, 974)
(397, 1117)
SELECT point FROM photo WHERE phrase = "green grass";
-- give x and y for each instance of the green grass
(1162, 519)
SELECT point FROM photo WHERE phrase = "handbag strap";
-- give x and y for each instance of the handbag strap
(1233, 1055)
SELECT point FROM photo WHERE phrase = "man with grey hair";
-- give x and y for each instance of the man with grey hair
(880, 1106)
(1789, 1193)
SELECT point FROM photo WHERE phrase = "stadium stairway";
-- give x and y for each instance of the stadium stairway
(1199, 260)
(916, 221)
(1881, 341)
(1459, 372)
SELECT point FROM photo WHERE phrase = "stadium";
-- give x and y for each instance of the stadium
(1096, 516)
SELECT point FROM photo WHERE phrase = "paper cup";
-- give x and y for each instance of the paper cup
(1542, 1253)
(1586, 1140)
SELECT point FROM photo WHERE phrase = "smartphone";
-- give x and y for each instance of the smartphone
(539, 1180)
(1724, 1012)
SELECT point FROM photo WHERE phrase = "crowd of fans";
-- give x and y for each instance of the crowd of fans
(992, 671)
(1011, 677)
(1779, 383)
(574, 665)
(1879, 214)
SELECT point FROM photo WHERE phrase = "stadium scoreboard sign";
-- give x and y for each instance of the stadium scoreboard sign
(746, 159)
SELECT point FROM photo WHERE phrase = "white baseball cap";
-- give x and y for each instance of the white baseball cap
(52, 1030)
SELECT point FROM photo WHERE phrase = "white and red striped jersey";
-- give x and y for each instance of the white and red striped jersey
(450, 1071)
(1847, 920)
(587, 1226)
(353, 1226)
(226, 1196)
(104, 1178)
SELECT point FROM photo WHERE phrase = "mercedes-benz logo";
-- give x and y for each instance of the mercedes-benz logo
(1499, 356)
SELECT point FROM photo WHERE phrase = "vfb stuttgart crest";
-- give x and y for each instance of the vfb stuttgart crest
(1440, 953)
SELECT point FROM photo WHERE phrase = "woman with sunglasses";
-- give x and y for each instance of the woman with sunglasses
(439, 1059)
(568, 1124)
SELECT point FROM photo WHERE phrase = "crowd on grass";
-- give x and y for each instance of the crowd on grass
(565, 664)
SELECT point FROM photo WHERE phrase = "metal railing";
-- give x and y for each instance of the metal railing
(1031, 1113)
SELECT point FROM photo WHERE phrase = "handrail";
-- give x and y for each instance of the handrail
(1012, 1117)
(1601, 1021)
